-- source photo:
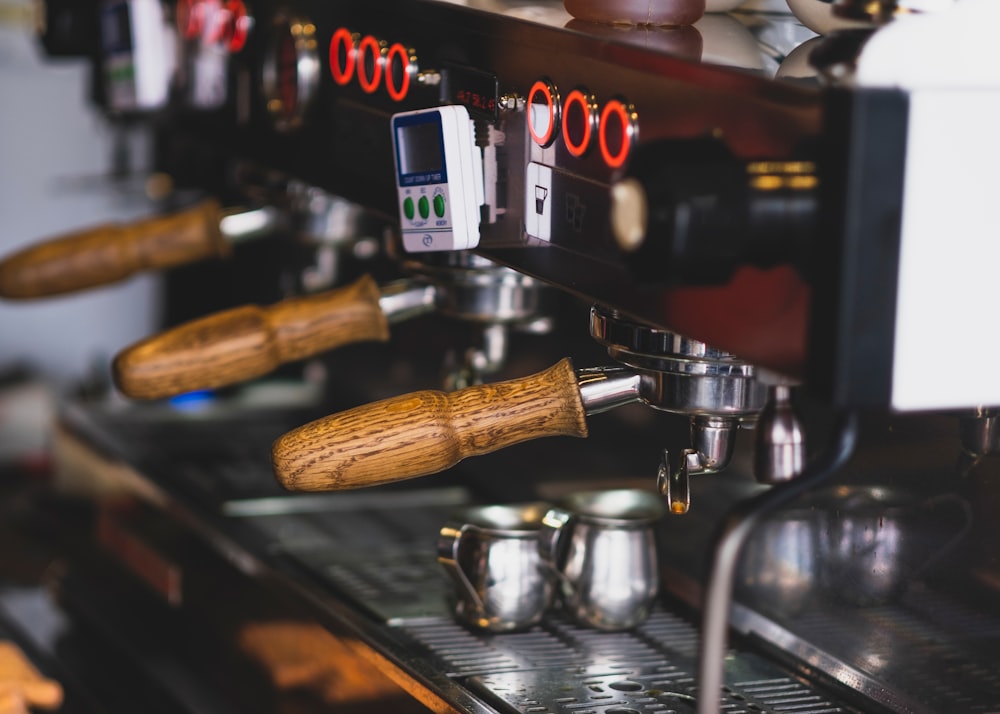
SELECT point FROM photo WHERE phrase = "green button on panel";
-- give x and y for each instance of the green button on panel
(439, 206)
(408, 208)
(424, 206)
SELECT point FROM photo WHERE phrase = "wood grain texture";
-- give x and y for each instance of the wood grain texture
(112, 252)
(427, 432)
(249, 341)
(22, 685)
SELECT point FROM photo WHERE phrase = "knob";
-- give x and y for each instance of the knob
(112, 252)
(781, 445)
(689, 212)
(426, 432)
(979, 431)
(250, 341)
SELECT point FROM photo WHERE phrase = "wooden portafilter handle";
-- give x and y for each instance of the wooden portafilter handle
(112, 252)
(426, 432)
(249, 341)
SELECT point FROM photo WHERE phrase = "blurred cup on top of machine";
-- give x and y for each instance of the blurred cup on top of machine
(602, 546)
(491, 554)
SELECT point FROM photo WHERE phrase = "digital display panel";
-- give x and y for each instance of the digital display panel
(116, 28)
(420, 150)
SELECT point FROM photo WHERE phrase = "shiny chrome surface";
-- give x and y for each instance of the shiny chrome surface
(679, 374)
(674, 482)
(603, 548)
(605, 388)
(491, 554)
(248, 224)
(676, 374)
(980, 432)
(645, 345)
(405, 299)
(874, 541)
(713, 438)
(475, 289)
(780, 452)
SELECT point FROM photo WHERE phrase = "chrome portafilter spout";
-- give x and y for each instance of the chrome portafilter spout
(718, 391)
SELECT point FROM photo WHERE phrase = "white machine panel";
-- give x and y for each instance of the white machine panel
(950, 236)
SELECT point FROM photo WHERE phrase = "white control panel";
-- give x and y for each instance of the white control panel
(439, 178)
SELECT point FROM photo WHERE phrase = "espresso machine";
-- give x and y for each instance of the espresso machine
(705, 276)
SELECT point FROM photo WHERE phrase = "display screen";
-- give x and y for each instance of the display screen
(419, 147)
(116, 28)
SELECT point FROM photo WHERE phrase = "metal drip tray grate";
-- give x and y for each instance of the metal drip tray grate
(376, 550)
(558, 667)
(560, 692)
(938, 655)
(384, 561)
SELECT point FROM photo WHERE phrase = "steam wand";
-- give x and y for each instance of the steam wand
(728, 543)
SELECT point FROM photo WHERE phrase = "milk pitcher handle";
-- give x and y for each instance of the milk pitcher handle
(449, 541)
(550, 543)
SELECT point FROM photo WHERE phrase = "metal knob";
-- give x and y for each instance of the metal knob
(781, 445)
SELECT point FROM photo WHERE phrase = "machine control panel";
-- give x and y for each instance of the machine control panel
(439, 178)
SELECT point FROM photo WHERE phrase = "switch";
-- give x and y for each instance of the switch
(538, 201)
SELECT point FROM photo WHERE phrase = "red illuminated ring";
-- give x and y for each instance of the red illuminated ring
(398, 93)
(587, 106)
(551, 97)
(231, 26)
(369, 44)
(190, 18)
(342, 38)
(626, 116)
(240, 25)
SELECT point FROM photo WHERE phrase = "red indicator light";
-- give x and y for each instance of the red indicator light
(398, 71)
(616, 133)
(239, 25)
(369, 64)
(475, 100)
(343, 56)
(230, 25)
(543, 112)
(578, 122)
(190, 18)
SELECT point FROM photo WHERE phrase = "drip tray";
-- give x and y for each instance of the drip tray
(391, 572)
(661, 690)
(559, 667)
